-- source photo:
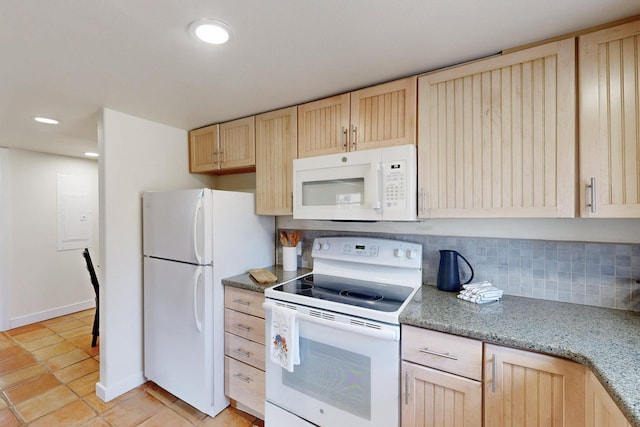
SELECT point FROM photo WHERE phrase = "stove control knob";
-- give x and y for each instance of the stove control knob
(325, 246)
(411, 254)
(398, 253)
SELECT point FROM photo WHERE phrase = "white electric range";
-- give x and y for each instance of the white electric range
(347, 310)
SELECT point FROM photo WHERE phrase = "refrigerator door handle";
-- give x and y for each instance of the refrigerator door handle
(196, 281)
(195, 230)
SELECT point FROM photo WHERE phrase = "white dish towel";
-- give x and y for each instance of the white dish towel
(284, 349)
(480, 293)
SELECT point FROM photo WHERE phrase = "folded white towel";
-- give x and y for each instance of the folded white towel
(480, 292)
(477, 300)
(284, 349)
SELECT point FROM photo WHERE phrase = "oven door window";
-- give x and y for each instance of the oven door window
(338, 377)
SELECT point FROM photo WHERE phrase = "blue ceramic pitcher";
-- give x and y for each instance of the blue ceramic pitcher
(448, 272)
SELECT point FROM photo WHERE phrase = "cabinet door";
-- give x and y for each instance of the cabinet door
(203, 149)
(609, 65)
(237, 144)
(276, 147)
(432, 398)
(524, 389)
(601, 411)
(323, 126)
(496, 137)
(384, 115)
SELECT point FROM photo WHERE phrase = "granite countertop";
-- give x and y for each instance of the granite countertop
(245, 281)
(605, 340)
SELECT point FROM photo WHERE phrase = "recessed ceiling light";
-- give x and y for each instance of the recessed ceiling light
(91, 154)
(46, 120)
(210, 31)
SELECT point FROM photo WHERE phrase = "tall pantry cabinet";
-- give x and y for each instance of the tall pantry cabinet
(609, 68)
(276, 147)
(496, 137)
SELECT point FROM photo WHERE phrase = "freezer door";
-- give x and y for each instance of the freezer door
(178, 338)
(176, 225)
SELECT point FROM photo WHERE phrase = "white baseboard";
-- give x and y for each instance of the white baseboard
(50, 314)
(108, 393)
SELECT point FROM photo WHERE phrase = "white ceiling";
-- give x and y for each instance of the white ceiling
(69, 58)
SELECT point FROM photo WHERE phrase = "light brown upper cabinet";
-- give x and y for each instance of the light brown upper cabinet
(223, 148)
(276, 147)
(237, 145)
(610, 122)
(377, 116)
(497, 137)
(203, 144)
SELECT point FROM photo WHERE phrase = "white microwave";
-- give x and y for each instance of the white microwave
(368, 185)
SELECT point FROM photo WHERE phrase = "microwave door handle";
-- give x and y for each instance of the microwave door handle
(376, 174)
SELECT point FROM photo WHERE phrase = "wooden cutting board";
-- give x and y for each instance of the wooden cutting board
(263, 276)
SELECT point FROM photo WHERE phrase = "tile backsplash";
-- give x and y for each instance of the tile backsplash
(599, 274)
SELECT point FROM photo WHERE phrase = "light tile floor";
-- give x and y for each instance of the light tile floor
(48, 372)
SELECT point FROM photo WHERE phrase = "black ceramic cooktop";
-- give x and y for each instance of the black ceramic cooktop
(361, 293)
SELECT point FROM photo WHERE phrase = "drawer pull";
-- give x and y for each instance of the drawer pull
(242, 352)
(242, 378)
(494, 369)
(437, 353)
(406, 387)
(241, 302)
(242, 328)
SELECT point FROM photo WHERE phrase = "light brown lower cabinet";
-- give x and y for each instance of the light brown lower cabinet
(601, 411)
(244, 378)
(444, 384)
(433, 398)
(522, 389)
(441, 379)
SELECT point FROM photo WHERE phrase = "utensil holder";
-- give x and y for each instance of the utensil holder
(289, 258)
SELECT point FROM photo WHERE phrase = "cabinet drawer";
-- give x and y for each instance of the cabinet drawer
(249, 302)
(244, 325)
(244, 384)
(449, 353)
(244, 350)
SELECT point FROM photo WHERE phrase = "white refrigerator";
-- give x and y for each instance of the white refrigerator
(191, 240)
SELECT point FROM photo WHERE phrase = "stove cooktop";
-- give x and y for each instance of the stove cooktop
(352, 292)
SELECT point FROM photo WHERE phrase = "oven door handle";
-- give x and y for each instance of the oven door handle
(384, 334)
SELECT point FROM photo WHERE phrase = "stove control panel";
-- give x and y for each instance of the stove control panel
(369, 251)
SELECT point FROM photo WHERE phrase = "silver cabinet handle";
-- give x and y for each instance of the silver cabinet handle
(213, 157)
(242, 353)
(220, 153)
(592, 190)
(494, 368)
(406, 387)
(241, 302)
(345, 136)
(437, 353)
(242, 378)
(354, 141)
(242, 328)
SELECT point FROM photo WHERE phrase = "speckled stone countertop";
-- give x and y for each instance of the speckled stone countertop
(245, 281)
(605, 340)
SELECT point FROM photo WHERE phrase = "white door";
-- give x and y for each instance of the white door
(177, 225)
(178, 347)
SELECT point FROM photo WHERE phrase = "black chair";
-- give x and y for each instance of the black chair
(96, 288)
